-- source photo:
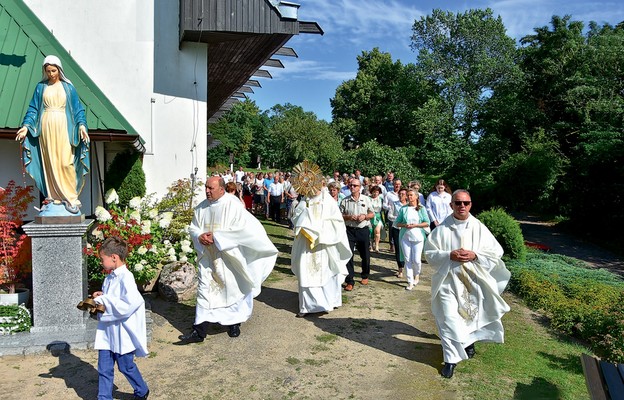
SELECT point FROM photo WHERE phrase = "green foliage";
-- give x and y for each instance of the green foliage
(581, 302)
(299, 136)
(14, 318)
(464, 55)
(125, 175)
(538, 167)
(507, 231)
(376, 159)
(236, 131)
(379, 103)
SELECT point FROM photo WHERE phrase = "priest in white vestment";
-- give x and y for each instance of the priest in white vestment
(234, 256)
(469, 277)
(320, 253)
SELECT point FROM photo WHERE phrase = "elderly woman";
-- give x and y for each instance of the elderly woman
(412, 220)
(334, 191)
(55, 143)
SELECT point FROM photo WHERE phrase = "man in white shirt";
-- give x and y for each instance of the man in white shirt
(240, 175)
(276, 198)
(357, 211)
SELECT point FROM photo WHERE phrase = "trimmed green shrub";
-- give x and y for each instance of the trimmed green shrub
(585, 303)
(125, 175)
(507, 231)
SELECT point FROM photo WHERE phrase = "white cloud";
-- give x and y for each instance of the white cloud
(521, 17)
(310, 70)
(359, 21)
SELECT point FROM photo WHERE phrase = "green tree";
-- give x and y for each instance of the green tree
(236, 130)
(465, 56)
(300, 135)
(125, 175)
(380, 103)
(373, 159)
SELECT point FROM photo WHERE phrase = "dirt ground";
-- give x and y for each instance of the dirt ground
(381, 344)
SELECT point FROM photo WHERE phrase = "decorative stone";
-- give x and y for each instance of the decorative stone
(178, 282)
(59, 276)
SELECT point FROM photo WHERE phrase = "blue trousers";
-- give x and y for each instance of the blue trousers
(126, 365)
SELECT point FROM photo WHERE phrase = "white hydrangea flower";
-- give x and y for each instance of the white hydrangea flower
(142, 250)
(164, 223)
(172, 258)
(183, 259)
(171, 251)
(154, 249)
(138, 267)
(185, 242)
(111, 197)
(167, 243)
(146, 227)
(135, 215)
(153, 213)
(186, 248)
(135, 203)
(98, 234)
(144, 262)
(102, 214)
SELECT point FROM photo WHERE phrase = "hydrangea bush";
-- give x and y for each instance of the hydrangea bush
(153, 239)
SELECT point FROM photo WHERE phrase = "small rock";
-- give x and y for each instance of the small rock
(178, 282)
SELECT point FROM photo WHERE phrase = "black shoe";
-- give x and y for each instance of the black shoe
(141, 397)
(192, 337)
(448, 370)
(234, 330)
(470, 351)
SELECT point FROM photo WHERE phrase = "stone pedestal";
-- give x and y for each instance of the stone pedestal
(59, 276)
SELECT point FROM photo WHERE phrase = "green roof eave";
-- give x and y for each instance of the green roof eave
(24, 43)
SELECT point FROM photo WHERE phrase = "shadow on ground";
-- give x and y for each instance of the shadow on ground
(391, 336)
(76, 373)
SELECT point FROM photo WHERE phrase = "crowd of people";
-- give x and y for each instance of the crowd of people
(330, 222)
(351, 212)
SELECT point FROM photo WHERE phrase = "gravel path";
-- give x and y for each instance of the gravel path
(560, 242)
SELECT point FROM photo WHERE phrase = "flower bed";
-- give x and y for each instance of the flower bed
(156, 235)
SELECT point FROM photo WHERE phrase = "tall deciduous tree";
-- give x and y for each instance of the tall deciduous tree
(236, 130)
(299, 135)
(465, 56)
(381, 103)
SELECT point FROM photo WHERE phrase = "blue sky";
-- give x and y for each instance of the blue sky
(353, 26)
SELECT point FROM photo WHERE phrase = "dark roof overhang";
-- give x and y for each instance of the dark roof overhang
(242, 36)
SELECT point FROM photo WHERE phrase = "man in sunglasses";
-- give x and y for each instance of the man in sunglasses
(469, 277)
(357, 211)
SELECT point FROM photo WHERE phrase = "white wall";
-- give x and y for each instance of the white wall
(130, 50)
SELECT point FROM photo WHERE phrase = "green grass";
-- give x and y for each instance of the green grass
(533, 363)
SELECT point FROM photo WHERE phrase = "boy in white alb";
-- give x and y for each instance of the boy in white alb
(121, 332)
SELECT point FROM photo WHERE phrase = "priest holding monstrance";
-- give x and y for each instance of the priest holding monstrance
(320, 251)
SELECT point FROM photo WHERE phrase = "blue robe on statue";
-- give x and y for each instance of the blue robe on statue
(31, 152)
